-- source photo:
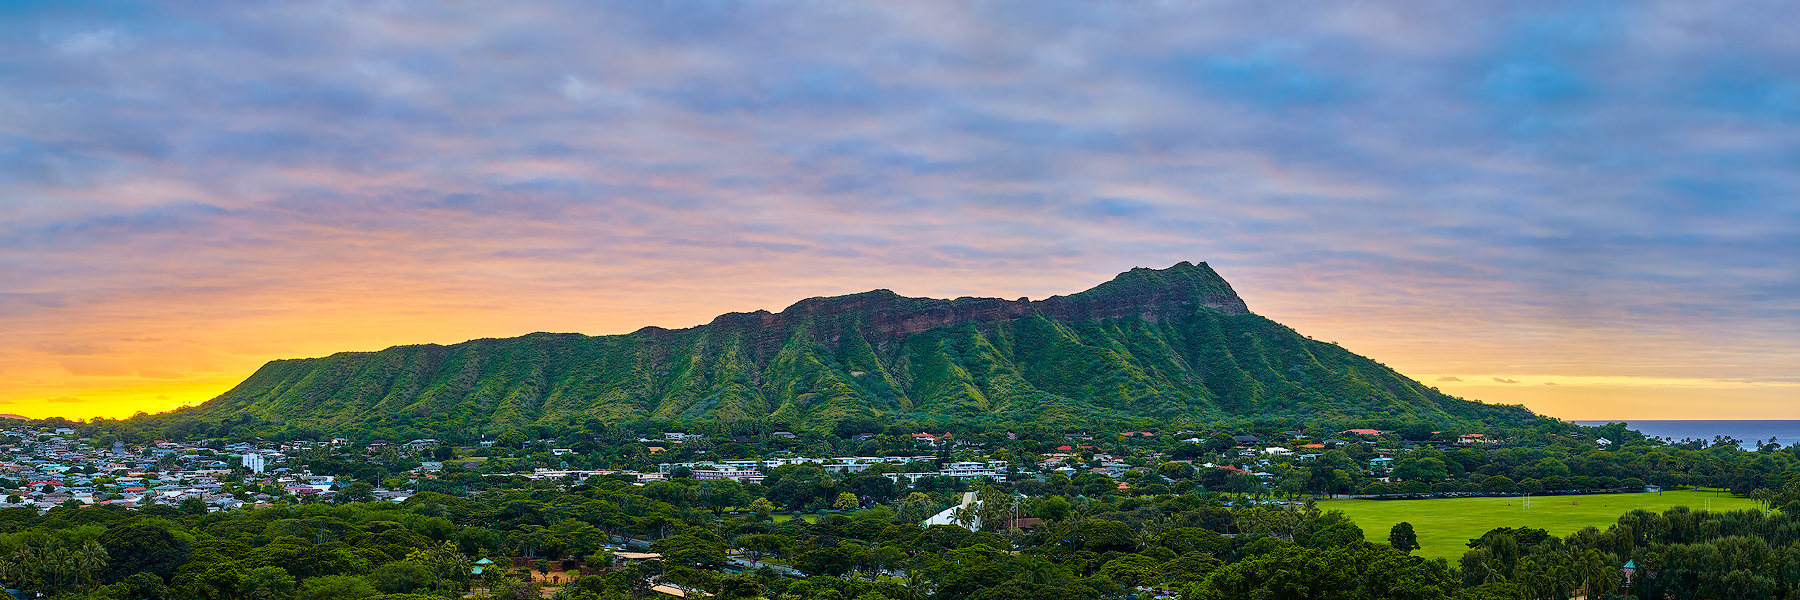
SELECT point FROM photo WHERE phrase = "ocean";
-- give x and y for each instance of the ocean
(1751, 432)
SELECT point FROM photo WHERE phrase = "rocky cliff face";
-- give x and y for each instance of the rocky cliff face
(1173, 343)
(1148, 294)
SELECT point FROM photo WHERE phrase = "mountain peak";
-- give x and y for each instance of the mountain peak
(1161, 343)
(1153, 290)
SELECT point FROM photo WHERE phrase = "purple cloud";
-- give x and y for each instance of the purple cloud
(1536, 183)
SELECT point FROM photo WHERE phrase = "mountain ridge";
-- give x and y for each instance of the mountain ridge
(1167, 344)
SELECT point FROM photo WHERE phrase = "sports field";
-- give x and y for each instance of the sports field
(1446, 525)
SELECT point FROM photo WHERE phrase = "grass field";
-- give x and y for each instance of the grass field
(1446, 525)
(781, 518)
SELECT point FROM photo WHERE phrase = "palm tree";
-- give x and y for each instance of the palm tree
(90, 559)
(965, 515)
(12, 572)
(1039, 571)
(917, 586)
(1597, 570)
(61, 562)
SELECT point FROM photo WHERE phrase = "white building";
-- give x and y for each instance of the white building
(254, 462)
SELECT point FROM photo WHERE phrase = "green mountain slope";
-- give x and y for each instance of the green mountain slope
(1173, 344)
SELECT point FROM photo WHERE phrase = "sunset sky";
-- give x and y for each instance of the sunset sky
(1588, 208)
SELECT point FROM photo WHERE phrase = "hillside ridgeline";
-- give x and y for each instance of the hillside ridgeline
(1174, 344)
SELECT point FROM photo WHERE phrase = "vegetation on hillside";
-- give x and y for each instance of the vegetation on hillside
(1173, 345)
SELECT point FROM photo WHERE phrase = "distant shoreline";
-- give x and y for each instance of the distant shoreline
(1751, 432)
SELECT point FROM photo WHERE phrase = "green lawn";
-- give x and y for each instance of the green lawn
(1446, 525)
(781, 518)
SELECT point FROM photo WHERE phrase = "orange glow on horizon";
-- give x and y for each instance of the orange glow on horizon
(172, 355)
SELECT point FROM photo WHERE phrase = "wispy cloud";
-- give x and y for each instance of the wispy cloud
(1590, 189)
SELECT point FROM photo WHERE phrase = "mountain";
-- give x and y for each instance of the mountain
(1174, 344)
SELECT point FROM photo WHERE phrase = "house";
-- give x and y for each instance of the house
(1368, 432)
(1245, 439)
(623, 556)
(742, 476)
(927, 439)
(674, 592)
(1028, 524)
(783, 434)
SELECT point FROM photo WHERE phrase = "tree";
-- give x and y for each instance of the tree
(511, 438)
(1130, 570)
(271, 583)
(845, 501)
(337, 587)
(1187, 569)
(1499, 484)
(740, 587)
(142, 548)
(357, 491)
(1353, 572)
(1421, 469)
(689, 550)
(720, 494)
(964, 515)
(1183, 540)
(1330, 529)
(402, 577)
(1051, 508)
(1402, 538)
(192, 506)
(144, 585)
(762, 509)
(916, 508)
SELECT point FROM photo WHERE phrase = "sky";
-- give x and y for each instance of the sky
(1584, 207)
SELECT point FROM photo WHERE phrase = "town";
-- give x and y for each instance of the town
(47, 467)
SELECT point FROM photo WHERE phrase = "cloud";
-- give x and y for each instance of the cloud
(75, 349)
(1585, 189)
(66, 400)
(85, 43)
(1504, 380)
(1449, 378)
(160, 374)
(94, 367)
(1549, 383)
